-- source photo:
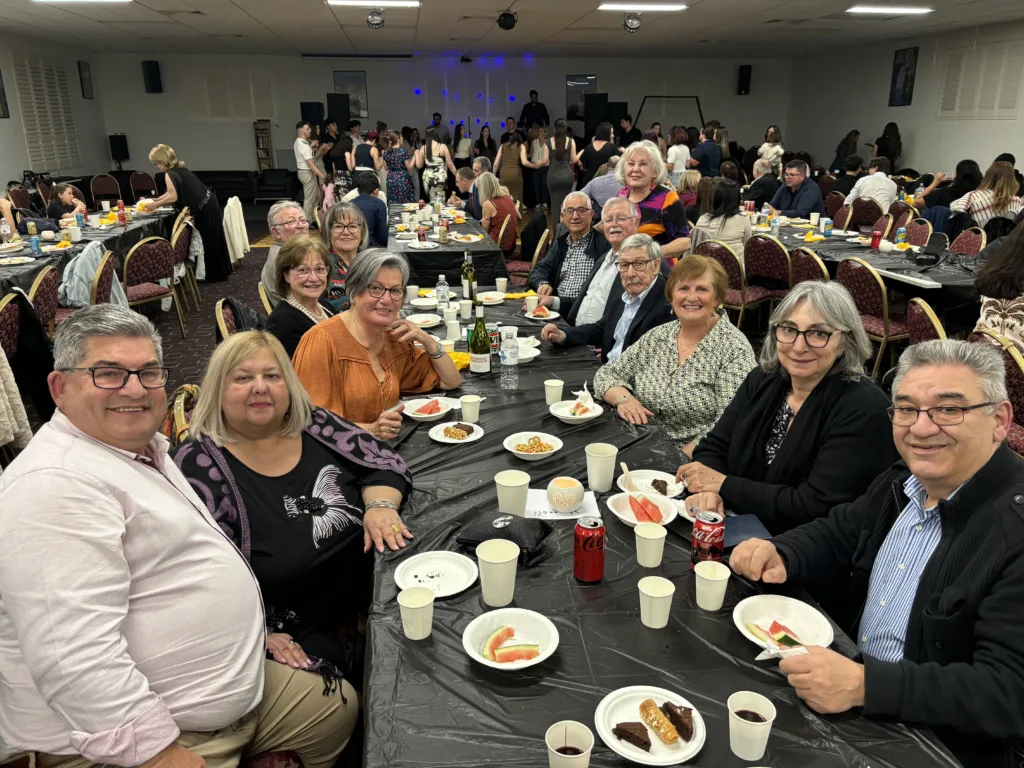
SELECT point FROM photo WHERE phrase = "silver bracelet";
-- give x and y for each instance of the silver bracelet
(623, 399)
(381, 503)
(439, 355)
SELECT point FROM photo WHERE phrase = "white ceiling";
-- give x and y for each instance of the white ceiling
(708, 28)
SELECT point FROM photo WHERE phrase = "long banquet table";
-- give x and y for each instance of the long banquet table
(117, 239)
(427, 703)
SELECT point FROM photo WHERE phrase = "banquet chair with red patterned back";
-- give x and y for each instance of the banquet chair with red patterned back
(142, 185)
(103, 280)
(806, 265)
(20, 197)
(147, 263)
(969, 242)
(766, 257)
(922, 322)
(104, 187)
(519, 270)
(918, 232)
(44, 187)
(825, 182)
(842, 218)
(739, 296)
(900, 222)
(869, 295)
(866, 211)
(225, 317)
(1013, 362)
(833, 202)
(43, 297)
(883, 225)
(181, 219)
(898, 208)
(181, 243)
(10, 323)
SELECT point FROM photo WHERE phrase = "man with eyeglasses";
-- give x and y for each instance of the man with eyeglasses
(626, 317)
(798, 197)
(569, 261)
(286, 219)
(931, 559)
(132, 631)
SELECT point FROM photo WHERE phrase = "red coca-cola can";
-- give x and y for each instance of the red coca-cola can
(422, 204)
(708, 538)
(446, 223)
(876, 239)
(588, 550)
(421, 235)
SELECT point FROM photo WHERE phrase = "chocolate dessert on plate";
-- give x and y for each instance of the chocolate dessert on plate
(633, 733)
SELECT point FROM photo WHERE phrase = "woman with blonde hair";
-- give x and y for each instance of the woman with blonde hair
(995, 198)
(688, 183)
(303, 494)
(496, 203)
(185, 190)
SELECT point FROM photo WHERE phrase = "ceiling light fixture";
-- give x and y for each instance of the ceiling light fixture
(507, 20)
(640, 7)
(376, 4)
(888, 10)
(631, 22)
(375, 19)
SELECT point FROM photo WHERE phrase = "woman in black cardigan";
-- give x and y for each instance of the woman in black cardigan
(303, 264)
(806, 430)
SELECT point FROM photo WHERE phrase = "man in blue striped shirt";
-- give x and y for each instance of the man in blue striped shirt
(929, 564)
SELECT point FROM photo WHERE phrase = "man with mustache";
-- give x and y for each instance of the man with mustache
(642, 306)
(929, 563)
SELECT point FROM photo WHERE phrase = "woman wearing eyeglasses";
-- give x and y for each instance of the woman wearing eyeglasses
(346, 233)
(303, 264)
(807, 429)
(356, 364)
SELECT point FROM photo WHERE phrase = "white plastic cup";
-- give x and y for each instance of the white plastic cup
(886, 247)
(569, 733)
(450, 315)
(650, 544)
(466, 309)
(417, 608)
(454, 330)
(746, 739)
(105, 205)
(411, 292)
(601, 466)
(76, 234)
(655, 601)
(448, 345)
(553, 391)
(94, 220)
(513, 486)
(814, 219)
(405, 218)
(532, 302)
(497, 559)
(470, 408)
(502, 284)
(712, 580)
(437, 230)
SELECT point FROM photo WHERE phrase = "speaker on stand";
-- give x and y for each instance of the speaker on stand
(118, 148)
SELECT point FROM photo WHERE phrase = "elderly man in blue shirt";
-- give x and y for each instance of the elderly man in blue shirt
(928, 565)
(798, 197)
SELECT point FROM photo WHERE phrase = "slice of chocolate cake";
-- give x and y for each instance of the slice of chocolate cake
(467, 428)
(661, 486)
(681, 718)
(633, 733)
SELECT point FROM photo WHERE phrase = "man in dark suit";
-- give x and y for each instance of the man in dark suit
(764, 187)
(641, 307)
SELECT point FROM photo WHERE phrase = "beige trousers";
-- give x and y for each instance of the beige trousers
(294, 716)
(310, 193)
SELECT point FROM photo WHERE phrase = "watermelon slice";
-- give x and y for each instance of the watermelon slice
(639, 511)
(758, 632)
(492, 643)
(784, 635)
(652, 510)
(430, 408)
(516, 653)
(579, 409)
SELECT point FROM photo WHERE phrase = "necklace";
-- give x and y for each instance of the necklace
(324, 313)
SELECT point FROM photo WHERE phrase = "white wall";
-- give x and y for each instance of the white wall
(846, 90)
(227, 143)
(95, 151)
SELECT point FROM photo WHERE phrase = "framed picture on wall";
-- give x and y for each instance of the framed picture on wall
(85, 77)
(4, 111)
(354, 84)
(904, 72)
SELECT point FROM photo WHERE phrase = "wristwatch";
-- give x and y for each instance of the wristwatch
(436, 355)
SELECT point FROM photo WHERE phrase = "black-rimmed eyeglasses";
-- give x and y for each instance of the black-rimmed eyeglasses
(377, 291)
(108, 377)
(941, 415)
(787, 334)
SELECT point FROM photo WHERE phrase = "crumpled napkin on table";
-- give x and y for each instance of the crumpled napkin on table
(520, 295)
(461, 359)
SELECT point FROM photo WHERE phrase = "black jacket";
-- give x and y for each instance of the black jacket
(762, 190)
(547, 269)
(534, 114)
(288, 324)
(962, 671)
(839, 441)
(654, 311)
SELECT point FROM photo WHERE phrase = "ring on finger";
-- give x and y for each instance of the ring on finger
(394, 528)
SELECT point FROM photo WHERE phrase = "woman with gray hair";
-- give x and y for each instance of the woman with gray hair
(810, 384)
(356, 364)
(643, 176)
(346, 233)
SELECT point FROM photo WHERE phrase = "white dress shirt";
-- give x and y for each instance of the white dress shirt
(303, 152)
(628, 313)
(126, 614)
(592, 308)
(877, 186)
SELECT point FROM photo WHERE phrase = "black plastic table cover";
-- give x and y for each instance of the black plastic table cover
(446, 259)
(427, 704)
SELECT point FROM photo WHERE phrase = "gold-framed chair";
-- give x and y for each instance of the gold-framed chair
(148, 262)
(739, 296)
(264, 298)
(43, 297)
(872, 301)
(922, 322)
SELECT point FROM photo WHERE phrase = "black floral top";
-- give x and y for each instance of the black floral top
(779, 429)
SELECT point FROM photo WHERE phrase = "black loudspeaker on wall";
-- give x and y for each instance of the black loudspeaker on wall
(151, 74)
(743, 84)
(118, 147)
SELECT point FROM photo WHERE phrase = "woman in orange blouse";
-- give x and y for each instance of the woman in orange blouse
(357, 363)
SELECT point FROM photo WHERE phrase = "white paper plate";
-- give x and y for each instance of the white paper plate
(844, 233)
(426, 303)
(12, 247)
(425, 245)
(492, 298)
(623, 706)
(560, 411)
(530, 626)
(411, 406)
(12, 261)
(809, 624)
(642, 480)
(425, 320)
(619, 505)
(405, 235)
(528, 354)
(528, 341)
(446, 573)
(522, 437)
(437, 433)
(552, 315)
(466, 238)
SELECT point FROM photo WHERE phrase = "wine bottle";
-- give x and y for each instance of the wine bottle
(468, 277)
(480, 345)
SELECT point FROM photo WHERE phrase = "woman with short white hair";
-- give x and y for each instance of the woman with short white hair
(644, 177)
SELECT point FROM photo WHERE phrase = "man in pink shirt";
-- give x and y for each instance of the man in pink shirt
(131, 629)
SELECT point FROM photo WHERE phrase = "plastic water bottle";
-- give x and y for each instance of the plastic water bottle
(509, 352)
(441, 291)
(919, 191)
(5, 232)
(776, 227)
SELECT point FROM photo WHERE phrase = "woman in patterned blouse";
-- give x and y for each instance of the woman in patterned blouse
(807, 430)
(644, 179)
(683, 373)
